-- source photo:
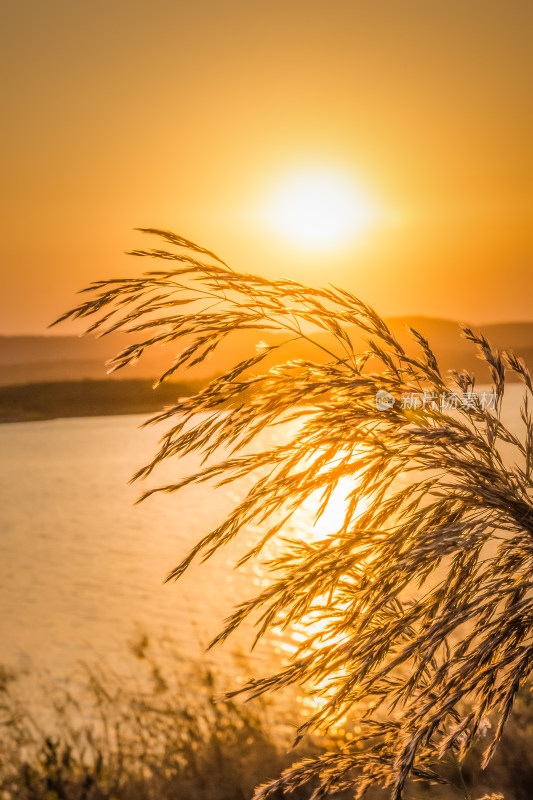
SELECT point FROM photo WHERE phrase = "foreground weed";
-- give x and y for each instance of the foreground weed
(171, 733)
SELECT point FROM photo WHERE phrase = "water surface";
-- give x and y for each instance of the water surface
(82, 567)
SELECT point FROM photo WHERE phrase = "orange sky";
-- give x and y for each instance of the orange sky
(183, 115)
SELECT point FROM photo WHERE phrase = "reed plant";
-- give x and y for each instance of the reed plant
(418, 608)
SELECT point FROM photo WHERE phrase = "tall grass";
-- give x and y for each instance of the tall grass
(170, 733)
(418, 609)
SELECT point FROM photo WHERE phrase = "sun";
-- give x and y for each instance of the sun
(319, 209)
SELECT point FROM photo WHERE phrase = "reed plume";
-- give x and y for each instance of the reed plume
(421, 600)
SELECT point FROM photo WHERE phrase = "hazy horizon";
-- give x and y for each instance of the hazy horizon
(197, 118)
(57, 334)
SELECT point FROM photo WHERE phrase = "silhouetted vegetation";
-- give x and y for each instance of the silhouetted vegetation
(173, 734)
(418, 608)
(170, 736)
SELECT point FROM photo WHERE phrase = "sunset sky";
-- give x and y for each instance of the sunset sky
(203, 118)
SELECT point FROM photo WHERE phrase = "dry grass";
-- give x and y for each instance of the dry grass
(422, 602)
(166, 732)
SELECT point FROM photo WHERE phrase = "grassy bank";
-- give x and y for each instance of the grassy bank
(88, 398)
(172, 734)
(169, 734)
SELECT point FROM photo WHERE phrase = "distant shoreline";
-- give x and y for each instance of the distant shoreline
(31, 402)
(89, 397)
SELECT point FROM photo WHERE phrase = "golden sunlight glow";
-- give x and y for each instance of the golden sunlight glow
(319, 209)
(332, 519)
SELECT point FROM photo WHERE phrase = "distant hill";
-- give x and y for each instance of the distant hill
(28, 359)
(455, 352)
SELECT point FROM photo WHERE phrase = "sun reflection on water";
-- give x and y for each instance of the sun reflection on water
(313, 632)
